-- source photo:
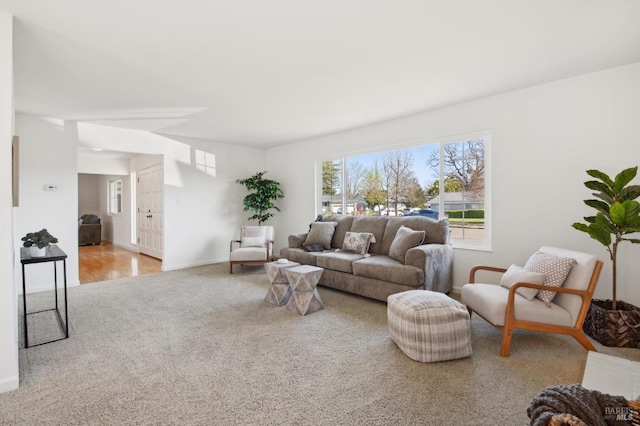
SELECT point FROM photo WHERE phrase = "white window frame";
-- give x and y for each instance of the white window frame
(115, 192)
(485, 244)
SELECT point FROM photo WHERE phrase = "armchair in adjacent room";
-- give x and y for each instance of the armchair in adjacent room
(255, 246)
(89, 230)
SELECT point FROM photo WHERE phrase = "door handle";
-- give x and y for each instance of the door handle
(149, 215)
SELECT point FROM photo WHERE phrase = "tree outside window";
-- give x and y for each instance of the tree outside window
(446, 176)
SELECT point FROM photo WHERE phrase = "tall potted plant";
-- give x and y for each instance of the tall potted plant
(261, 200)
(613, 322)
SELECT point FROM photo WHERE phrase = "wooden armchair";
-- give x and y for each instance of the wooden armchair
(255, 246)
(507, 310)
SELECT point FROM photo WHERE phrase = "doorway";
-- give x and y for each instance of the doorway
(150, 210)
(106, 262)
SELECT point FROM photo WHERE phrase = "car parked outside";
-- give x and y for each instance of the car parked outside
(433, 214)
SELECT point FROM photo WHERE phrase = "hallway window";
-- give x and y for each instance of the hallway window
(115, 196)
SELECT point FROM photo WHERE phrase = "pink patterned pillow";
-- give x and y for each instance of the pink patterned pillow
(554, 268)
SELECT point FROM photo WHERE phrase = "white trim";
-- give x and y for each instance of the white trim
(9, 383)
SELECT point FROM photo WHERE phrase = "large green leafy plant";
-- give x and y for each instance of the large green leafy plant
(261, 200)
(617, 213)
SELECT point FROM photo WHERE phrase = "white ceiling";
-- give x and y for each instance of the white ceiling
(268, 72)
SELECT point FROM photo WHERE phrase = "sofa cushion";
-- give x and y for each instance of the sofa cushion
(436, 231)
(321, 233)
(357, 242)
(405, 239)
(337, 261)
(384, 268)
(373, 224)
(300, 256)
(344, 225)
(313, 247)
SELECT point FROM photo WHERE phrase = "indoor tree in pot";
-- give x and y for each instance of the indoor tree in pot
(38, 242)
(262, 199)
(613, 322)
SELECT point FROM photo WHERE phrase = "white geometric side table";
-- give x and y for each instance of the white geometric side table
(280, 290)
(305, 298)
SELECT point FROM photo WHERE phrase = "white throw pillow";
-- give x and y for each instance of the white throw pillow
(516, 274)
(254, 236)
(252, 242)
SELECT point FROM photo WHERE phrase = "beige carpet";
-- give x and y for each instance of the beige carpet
(201, 347)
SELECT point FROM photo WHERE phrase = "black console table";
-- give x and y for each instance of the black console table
(53, 254)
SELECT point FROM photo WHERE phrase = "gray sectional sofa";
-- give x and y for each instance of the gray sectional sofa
(403, 253)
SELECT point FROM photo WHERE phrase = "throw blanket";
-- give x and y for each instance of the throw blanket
(575, 405)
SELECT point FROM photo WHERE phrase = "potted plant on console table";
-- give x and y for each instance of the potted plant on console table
(613, 322)
(38, 242)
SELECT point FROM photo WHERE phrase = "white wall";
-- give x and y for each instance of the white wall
(88, 197)
(543, 140)
(48, 156)
(8, 300)
(202, 213)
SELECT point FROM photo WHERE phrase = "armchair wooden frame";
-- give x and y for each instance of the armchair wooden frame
(268, 259)
(511, 323)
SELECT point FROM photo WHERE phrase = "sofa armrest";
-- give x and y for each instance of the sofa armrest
(296, 240)
(437, 262)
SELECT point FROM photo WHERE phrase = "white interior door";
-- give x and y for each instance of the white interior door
(150, 210)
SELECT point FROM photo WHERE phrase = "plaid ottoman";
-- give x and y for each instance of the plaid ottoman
(429, 326)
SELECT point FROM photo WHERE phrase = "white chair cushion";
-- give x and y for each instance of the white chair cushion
(253, 236)
(248, 254)
(490, 302)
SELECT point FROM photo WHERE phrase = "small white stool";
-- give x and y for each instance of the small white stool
(429, 326)
(305, 298)
(280, 290)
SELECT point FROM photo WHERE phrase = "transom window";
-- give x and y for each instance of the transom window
(442, 178)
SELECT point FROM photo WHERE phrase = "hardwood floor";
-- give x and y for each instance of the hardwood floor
(108, 262)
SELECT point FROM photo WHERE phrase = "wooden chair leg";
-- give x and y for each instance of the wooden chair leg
(505, 349)
(230, 268)
(584, 341)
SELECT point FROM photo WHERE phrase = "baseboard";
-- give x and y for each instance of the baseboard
(129, 247)
(10, 383)
(166, 268)
(49, 287)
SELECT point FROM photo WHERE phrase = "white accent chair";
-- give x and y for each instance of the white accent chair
(255, 246)
(507, 310)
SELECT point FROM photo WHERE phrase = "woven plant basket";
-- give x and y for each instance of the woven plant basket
(619, 328)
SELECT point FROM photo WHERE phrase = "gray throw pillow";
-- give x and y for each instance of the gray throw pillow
(321, 233)
(405, 239)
